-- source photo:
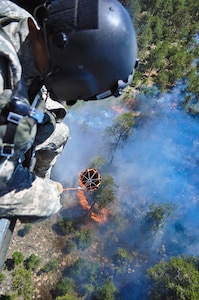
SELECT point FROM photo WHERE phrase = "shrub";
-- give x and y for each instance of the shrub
(18, 258)
(50, 266)
(2, 277)
(66, 226)
(32, 262)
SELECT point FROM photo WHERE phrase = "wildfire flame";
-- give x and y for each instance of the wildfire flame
(118, 109)
(100, 217)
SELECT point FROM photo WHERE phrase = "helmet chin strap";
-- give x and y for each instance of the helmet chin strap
(40, 13)
(104, 95)
(122, 84)
(117, 91)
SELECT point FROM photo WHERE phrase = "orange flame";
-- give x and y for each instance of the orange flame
(97, 217)
(82, 199)
(118, 109)
(100, 218)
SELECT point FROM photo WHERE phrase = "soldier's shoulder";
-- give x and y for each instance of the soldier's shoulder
(11, 10)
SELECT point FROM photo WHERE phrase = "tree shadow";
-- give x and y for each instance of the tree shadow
(9, 264)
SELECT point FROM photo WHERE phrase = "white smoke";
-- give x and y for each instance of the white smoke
(158, 164)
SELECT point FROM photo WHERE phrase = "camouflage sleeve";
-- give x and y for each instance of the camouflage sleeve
(26, 194)
(22, 193)
(49, 151)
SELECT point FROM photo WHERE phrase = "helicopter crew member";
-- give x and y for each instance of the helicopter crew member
(69, 50)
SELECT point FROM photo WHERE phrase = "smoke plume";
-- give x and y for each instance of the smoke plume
(158, 164)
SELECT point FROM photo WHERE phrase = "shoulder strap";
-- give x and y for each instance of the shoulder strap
(17, 108)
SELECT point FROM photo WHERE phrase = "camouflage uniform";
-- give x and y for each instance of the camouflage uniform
(22, 192)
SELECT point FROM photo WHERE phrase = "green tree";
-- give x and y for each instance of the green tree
(18, 258)
(97, 163)
(84, 271)
(7, 297)
(120, 131)
(120, 258)
(147, 34)
(67, 297)
(157, 214)
(105, 195)
(107, 292)
(22, 283)
(192, 102)
(50, 266)
(87, 289)
(83, 238)
(157, 30)
(32, 262)
(70, 247)
(2, 277)
(166, 32)
(66, 226)
(177, 279)
(65, 286)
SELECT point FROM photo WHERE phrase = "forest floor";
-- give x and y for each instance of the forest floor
(44, 242)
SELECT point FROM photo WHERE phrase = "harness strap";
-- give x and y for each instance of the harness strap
(17, 110)
(8, 140)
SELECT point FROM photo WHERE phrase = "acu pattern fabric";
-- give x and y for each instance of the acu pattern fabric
(22, 192)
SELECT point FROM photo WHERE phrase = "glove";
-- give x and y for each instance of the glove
(59, 187)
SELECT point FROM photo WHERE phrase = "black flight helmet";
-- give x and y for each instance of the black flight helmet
(92, 49)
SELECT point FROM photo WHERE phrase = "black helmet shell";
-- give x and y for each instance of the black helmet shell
(92, 49)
